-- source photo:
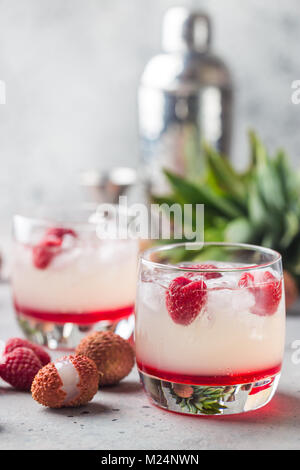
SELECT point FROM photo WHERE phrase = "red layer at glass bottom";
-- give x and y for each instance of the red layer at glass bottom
(77, 318)
(235, 378)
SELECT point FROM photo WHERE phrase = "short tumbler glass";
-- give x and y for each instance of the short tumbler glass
(210, 327)
(67, 280)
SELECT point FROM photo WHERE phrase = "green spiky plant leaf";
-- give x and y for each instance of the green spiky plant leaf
(259, 206)
(203, 400)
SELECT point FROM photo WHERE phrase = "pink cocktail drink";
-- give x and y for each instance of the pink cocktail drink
(210, 335)
(66, 280)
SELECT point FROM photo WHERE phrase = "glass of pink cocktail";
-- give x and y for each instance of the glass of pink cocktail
(210, 327)
(67, 279)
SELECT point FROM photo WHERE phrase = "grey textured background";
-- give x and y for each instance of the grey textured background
(72, 67)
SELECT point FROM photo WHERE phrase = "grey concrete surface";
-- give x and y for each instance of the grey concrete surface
(122, 418)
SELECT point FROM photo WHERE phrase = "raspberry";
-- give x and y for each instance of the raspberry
(185, 299)
(208, 275)
(49, 246)
(42, 256)
(14, 343)
(267, 290)
(267, 295)
(19, 367)
(60, 232)
(246, 280)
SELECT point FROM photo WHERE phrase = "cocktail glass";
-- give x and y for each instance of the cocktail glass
(68, 280)
(210, 327)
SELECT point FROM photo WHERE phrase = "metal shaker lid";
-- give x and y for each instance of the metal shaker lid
(185, 30)
(108, 186)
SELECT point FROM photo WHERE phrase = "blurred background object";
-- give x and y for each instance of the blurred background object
(108, 186)
(72, 70)
(185, 97)
(260, 206)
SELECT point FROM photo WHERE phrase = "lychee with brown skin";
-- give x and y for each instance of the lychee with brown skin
(113, 355)
(68, 382)
(183, 391)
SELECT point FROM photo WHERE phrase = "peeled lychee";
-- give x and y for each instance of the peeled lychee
(112, 354)
(69, 381)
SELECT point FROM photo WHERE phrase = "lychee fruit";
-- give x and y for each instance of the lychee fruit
(14, 343)
(182, 390)
(68, 382)
(113, 355)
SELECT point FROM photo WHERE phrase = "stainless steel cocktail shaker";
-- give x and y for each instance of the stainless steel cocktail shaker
(185, 97)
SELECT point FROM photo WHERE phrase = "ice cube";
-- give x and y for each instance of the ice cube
(65, 258)
(159, 277)
(229, 301)
(2, 347)
(228, 281)
(152, 295)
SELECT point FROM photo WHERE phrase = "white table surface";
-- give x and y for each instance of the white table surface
(121, 417)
